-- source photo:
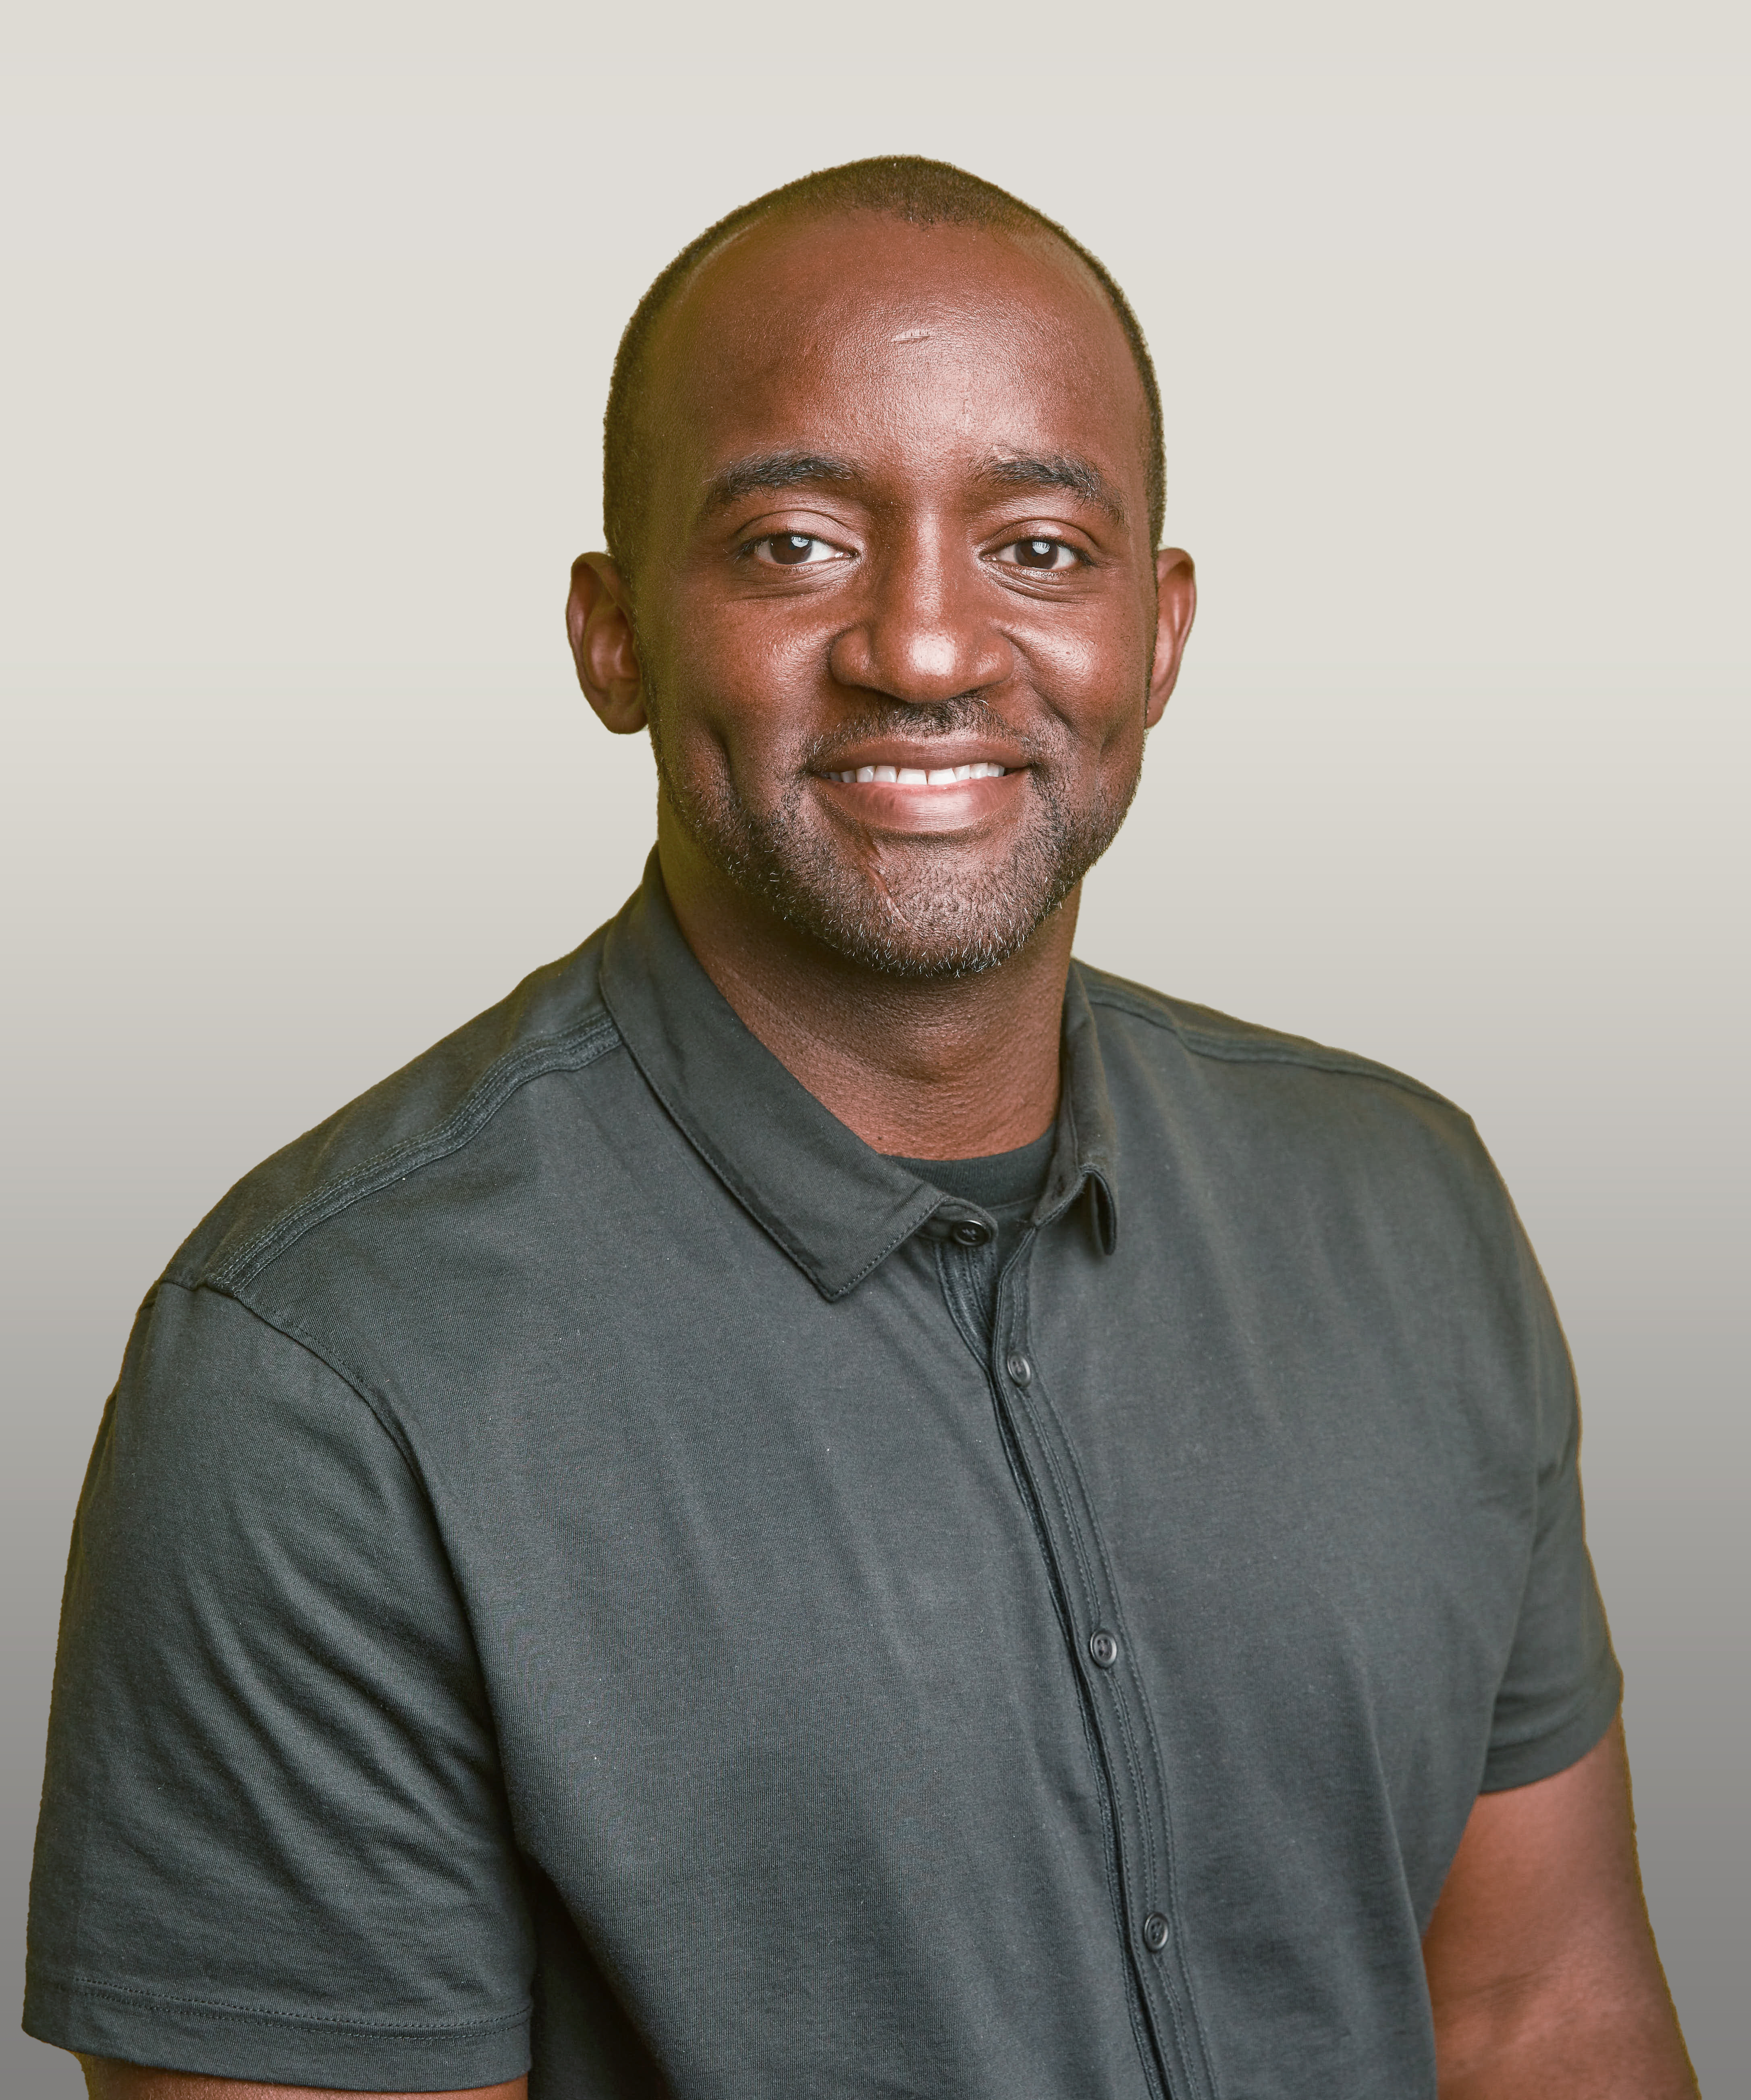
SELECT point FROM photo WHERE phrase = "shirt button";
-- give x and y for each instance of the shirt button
(1018, 1367)
(1104, 1649)
(970, 1233)
(1155, 1930)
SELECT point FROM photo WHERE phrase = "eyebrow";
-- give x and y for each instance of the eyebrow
(1081, 477)
(798, 469)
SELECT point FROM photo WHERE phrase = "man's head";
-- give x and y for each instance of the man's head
(883, 489)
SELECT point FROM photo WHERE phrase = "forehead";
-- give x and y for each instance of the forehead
(906, 343)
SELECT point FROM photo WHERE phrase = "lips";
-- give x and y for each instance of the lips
(960, 793)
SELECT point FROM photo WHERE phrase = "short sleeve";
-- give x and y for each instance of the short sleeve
(274, 1843)
(1562, 1685)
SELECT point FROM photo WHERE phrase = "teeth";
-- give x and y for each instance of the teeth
(916, 776)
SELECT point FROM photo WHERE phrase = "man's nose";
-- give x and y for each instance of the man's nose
(926, 632)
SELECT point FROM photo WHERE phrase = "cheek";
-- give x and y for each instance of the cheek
(731, 704)
(735, 650)
(1095, 682)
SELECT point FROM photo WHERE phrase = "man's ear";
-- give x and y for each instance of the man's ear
(1176, 602)
(599, 627)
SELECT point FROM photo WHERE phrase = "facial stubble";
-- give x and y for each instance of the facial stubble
(921, 909)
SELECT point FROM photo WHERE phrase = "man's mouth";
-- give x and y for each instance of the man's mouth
(919, 776)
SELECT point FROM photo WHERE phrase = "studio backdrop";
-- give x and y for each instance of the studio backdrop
(309, 323)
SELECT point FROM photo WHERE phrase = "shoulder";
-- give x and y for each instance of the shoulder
(430, 1111)
(1334, 1148)
(1185, 1030)
(1233, 1090)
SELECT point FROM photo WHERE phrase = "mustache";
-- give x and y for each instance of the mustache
(926, 721)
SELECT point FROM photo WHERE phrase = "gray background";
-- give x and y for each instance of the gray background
(308, 329)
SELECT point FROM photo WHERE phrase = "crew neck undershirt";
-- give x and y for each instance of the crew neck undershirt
(996, 1180)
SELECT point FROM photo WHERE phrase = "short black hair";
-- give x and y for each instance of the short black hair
(904, 186)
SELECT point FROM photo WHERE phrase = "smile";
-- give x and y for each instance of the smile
(918, 776)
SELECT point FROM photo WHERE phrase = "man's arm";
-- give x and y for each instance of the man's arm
(106, 2080)
(1543, 1970)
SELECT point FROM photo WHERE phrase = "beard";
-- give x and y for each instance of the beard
(920, 907)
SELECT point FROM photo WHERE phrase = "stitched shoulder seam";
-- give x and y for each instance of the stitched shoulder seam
(300, 1337)
(571, 1051)
(1266, 1050)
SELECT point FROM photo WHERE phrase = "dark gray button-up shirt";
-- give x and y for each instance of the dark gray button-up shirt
(588, 1564)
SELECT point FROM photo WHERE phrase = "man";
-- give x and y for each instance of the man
(826, 1502)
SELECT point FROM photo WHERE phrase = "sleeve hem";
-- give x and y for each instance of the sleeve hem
(1540, 1757)
(270, 2047)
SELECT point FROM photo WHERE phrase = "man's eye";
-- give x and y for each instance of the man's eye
(795, 550)
(1039, 554)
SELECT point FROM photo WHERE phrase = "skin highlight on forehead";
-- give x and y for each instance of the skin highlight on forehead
(822, 261)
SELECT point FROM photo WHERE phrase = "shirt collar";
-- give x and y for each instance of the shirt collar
(836, 1206)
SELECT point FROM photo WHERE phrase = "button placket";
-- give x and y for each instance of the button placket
(966, 1248)
(1117, 1704)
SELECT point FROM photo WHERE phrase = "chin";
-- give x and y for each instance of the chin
(916, 916)
(903, 951)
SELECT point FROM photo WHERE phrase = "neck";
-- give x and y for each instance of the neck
(932, 1069)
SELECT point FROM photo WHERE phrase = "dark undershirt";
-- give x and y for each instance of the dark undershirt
(1005, 1183)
